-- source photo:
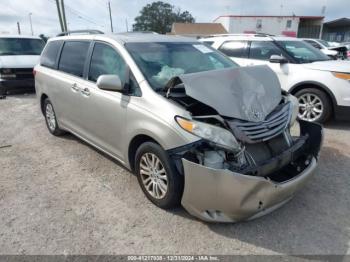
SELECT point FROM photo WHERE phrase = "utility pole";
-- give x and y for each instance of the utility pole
(110, 15)
(59, 15)
(126, 24)
(64, 16)
(18, 28)
(323, 11)
(30, 21)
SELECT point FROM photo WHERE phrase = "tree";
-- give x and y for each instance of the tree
(159, 17)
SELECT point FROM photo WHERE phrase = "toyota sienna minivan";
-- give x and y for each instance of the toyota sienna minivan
(196, 129)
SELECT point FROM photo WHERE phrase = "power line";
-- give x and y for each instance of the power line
(79, 14)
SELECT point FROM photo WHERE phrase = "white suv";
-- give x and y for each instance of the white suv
(321, 85)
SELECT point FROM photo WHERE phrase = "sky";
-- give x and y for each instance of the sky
(93, 14)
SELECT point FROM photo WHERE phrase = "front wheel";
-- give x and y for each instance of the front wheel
(157, 176)
(314, 105)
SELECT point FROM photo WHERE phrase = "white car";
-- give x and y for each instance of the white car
(324, 46)
(321, 85)
(18, 56)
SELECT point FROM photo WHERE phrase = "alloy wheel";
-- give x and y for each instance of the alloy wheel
(50, 117)
(310, 107)
(153, 175)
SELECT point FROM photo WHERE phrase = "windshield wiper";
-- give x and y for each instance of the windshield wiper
(31, 53)
(7, 53)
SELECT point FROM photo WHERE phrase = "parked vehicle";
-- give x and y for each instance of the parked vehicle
(347, 45)
(323, 46)
(18, 56)
(321, 85)
(333, 44)
(334, 52)
(190, 123)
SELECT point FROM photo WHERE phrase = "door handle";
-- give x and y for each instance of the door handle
(75, 87)
(85, 91)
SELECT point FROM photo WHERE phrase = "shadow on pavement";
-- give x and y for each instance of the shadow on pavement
(340, 125)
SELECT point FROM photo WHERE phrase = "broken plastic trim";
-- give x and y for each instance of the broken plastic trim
(221, 195)
(306, 146)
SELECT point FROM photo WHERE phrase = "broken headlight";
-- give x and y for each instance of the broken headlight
(217, 135)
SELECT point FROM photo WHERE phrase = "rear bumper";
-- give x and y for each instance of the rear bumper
(220, 195)
(16, 85)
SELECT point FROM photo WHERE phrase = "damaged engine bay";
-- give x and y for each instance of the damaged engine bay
(257, 119)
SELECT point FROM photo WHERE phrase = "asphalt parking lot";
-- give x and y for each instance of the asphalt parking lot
(61, 196)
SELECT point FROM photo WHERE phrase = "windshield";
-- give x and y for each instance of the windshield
(20, 46)
(325, 43)
(302, 52)
(159, 62)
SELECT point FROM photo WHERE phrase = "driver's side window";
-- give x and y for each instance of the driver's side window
(263, 50)
(106, 61)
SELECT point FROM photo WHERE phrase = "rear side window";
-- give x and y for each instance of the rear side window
(73, 57)
(235, 48)
(106, 61)
(49, 55)
(263, 50)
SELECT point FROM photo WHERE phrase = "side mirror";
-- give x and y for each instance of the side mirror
(110, 83)
(278, 59)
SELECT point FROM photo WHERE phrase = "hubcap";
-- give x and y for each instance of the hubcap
(153, 175)
(50, 117)
(310, 107)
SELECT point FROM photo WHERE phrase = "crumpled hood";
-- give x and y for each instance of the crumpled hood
(332, 65)
(247, 93)
(19, 61)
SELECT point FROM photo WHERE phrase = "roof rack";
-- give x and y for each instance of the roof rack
(241, 34)
(140, 32)
(88, 32)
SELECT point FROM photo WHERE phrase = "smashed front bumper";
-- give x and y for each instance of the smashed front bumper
(221, 195)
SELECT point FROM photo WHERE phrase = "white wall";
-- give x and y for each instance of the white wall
(270, 25)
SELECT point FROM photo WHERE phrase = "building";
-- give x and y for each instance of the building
(295, 26)
(197, 29)
(337, 30)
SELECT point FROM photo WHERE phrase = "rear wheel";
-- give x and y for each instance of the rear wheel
(50, 118)
(314, 105)
(157, 176)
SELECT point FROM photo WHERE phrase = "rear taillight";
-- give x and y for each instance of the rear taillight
(348, 54)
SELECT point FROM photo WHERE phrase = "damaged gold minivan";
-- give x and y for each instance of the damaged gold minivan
(195, 128)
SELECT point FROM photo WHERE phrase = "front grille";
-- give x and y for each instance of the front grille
(23, 73)
(274, 124)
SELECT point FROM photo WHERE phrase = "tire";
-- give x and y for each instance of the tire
(174, 181)
(51, 119)
(316, 102)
